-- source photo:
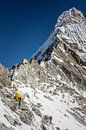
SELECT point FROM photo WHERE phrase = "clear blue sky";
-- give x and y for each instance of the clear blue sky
(26, 24)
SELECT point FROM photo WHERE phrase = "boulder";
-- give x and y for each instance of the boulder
(57, 128)
(16, 121)
(37, 111)
(43, 127)
(45, 119)
(26, 116)
(12, 121)
(9, 118)
(3, 127)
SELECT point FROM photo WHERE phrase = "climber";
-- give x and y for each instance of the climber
(19, 97)
(50, 119)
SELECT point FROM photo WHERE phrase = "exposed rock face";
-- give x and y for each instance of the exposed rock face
(11, 120)
(57, 128)
(4, 80)
(37, 111)
(3, 127)
(45, 119)
(26, 116)
(63, 54)
(71, 16)
(43, 127)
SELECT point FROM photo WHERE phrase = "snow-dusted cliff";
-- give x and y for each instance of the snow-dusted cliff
(70, 29)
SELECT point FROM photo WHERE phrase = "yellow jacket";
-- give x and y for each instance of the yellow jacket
(19, 96)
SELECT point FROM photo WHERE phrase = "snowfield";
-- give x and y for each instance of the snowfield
(57, 106)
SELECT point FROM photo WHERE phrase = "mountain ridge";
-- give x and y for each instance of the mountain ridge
(77, 17)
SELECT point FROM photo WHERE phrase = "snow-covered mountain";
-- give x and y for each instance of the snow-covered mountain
(70, 29)
(53, 82)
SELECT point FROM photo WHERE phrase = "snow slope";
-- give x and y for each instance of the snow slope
(57, 106)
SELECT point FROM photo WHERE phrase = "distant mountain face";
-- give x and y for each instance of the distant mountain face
(64, 53)
(70, 30)
(55, 78)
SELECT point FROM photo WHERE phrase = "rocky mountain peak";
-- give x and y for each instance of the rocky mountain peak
(71, 16)
(25, 61)
(70, 30)
(73, 11)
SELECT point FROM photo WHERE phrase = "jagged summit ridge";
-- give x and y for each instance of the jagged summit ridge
(70, 29)
(71, 16)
